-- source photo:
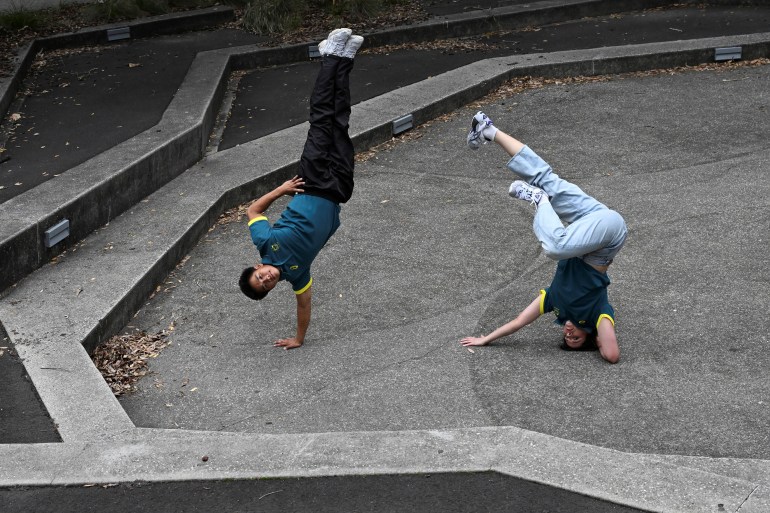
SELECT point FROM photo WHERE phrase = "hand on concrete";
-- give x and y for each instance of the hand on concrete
(474, 341)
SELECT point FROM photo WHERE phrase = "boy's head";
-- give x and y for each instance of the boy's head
(257, 281)
(576, 339)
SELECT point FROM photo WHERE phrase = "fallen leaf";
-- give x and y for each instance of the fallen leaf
(133, 64)
(15, 116)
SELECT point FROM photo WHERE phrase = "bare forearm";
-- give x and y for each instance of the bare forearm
(527, 316)
(263, 203)
(503, 331)
(304, 302)
(259, 207)
(508, 329)
(303, 322)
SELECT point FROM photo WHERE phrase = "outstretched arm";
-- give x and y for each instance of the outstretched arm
(527, 316)
(607, 341)
(260, 206)
(303, 321)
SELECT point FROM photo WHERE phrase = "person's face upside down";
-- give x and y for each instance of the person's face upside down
(574, 337)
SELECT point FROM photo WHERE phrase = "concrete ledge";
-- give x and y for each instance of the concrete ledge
(9, 86)
(426, 467)
(508, 17)
(93, 193)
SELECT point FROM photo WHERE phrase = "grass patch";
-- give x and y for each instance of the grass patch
(111, 10)
(273, 16)
(269, 17)
(356, 8)
(19, 17)
(108, 11)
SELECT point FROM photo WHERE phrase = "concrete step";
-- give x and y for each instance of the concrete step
(494, 468)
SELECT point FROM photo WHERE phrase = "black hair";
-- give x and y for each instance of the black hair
(588, 345)
(246, 287)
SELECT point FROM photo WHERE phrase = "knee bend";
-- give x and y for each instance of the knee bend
(553, 251)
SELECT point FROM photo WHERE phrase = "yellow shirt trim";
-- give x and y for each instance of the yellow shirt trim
(258, 218)
(542, 301)
(303, 289)
(600, 320)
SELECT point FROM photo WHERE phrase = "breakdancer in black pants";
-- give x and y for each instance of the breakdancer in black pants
(289, 246)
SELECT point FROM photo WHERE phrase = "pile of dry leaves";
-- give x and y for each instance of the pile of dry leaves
(122, 360)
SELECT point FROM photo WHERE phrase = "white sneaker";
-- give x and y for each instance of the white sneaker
(351, 46)
(335, 43)
(482, 131)
(523, 191)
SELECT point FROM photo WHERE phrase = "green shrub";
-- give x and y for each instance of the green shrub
(237, 3)
(273, 16)
(356, 9)
(112, 10)
(153, 7)
(194, 4)
(19, 17)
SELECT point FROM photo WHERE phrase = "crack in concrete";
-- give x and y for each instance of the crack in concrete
(746, 499)
(378, 370)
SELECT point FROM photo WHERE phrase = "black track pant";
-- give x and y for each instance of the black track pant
(326, 165)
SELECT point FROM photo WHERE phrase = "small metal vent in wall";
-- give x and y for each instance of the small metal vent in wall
(117, 34)
(402, 124)
(57, 233)
(730, 53)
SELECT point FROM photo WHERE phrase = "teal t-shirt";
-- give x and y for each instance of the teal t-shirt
(578, 293)
(292, 243)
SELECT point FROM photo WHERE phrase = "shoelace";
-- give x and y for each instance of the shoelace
(528, 194)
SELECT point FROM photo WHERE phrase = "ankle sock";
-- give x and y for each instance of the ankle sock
(489, 132)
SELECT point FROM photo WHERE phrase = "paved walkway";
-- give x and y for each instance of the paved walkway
(432, 249)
